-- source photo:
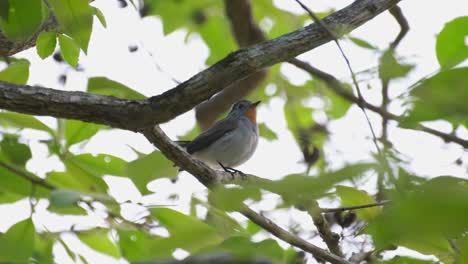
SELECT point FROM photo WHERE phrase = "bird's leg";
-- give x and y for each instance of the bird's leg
(230, 170)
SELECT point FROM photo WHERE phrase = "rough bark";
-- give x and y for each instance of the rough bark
(138, 114)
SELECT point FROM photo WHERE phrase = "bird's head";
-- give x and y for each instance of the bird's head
(246, 108)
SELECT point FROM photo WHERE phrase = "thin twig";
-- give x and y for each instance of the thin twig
(342, 91)
(348, 208)
(27, 176)
(353, 75)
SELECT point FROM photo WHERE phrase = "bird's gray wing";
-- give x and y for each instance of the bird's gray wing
(209, 136)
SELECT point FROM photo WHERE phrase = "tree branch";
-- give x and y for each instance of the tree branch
(341, 90)
(246, 33)
(27, 176)
(348, 208)
(211, 178)
(138, 114)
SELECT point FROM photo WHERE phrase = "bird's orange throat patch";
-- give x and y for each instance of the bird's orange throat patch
(252, 114)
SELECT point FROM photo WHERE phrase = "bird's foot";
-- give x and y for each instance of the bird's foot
(232, 171)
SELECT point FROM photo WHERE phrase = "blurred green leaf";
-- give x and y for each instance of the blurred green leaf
(65, 202)
(297, 188)
(350, 197)
(390, 68)
(187, 232)
(298, 117)
(423, 217)
(224, 224)
(14, 152)
(43, 250)
(100, 241)
(64, 198)
(100, 16)
(17, 120)
(78, 177)
(463, 256)
(75, 17)
(232, 199)
(104, 86)
(450, 44)
(17, 244)
(69, 50)
(405, 260)
(442, 96)
(23, 18)
(148, 168)
(17, 72)
(136, 245)
(245, 249)
(204, 17)
(100, 165)
(362, 43)
(4, 10)
(78, 131)
(45, 44)
(266, 132)
(15, 155)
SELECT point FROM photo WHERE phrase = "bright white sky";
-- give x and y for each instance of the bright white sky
(349, 142)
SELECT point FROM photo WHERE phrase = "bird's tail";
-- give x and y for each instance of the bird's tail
(182, 143)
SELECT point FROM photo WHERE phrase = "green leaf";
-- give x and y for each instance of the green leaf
(45, 44)
(442, 96)
(148, 168)
(232, 199)
(69, 49)
(100, 16)
(245, 249)
(78, 131)
(14, 152)
(450, 44)
(187, 232)
(64, 198)
(15, 155)
(23, 19)
(4, 10)
(350, 197)
(78, 178)
(463, 257)
(362, 43)
(136, 245)
(17, 72)
(266, 132)
(100, 241)
(104, 86)
(299, 189)
(423, 217)
(75, 17)
(43, 250)
(17, 120)
(17, 244)
(390, 68)
(406, 260)
(100, 165)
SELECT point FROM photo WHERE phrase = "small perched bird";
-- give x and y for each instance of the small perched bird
(230, 141)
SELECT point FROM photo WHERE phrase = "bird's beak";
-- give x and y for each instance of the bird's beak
(255, 104)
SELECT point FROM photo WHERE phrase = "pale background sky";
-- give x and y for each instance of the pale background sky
(350, 136)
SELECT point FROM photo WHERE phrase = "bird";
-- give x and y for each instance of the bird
(230, 142)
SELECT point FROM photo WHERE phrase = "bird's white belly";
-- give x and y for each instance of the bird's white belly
(232, 149)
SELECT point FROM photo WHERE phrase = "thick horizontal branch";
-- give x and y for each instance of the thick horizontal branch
(138, 114)
(211, 178)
